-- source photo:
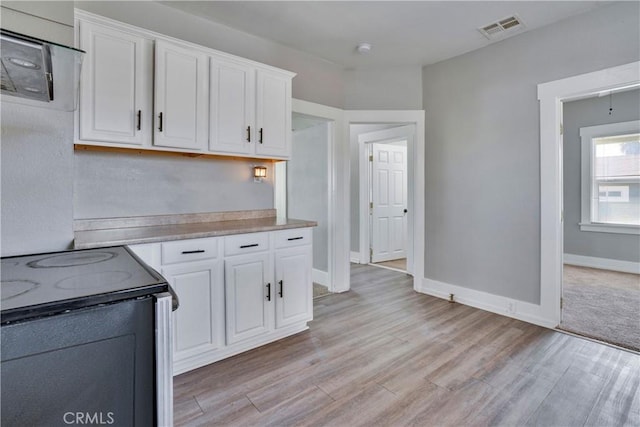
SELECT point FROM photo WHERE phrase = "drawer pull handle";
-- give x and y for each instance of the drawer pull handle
(253, 245)
(295, 238)
(268, 291)
(281, 288)
(197, 251)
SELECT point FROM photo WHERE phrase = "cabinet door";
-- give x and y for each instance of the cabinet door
(115, 87)
(294, 299)
(181, 97)
(199, 320)
(273, 121)
(249, 292)
(231, 107)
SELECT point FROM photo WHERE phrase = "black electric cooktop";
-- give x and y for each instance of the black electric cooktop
(45, 284)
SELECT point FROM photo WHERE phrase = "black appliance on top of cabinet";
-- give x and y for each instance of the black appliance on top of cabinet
(86, 339)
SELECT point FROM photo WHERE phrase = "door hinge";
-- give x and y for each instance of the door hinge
(371, 157)
(561, 302)
(370, 254)
(370, 205)
(561, 129)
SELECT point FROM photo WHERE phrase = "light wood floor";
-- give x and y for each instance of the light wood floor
(384, 355)
(400, 264)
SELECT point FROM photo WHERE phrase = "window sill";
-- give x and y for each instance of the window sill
(610, 228)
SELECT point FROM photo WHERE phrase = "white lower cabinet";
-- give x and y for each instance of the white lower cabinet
(248, 293)
(236, 292)
(293, 300)
(199, 323)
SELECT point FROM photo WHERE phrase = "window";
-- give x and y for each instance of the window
(611, 178)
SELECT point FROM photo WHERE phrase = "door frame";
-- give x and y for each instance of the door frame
(338, 273)
(398, 133)
(551, 96)
(416, 176)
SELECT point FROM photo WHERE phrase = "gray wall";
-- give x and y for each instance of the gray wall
(115, 185)
(308, 186)
(482, 161)
(593, 112)
(393, 88)
(37, 150)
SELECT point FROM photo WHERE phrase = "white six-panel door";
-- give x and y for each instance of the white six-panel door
(181, 97)
(389, 198)
(115, 89)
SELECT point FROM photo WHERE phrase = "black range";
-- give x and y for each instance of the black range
(46, 284)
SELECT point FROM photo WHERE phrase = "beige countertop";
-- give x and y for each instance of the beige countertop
(96, 233)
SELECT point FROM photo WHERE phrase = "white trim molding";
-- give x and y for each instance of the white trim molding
(521, 310)
(551, 96)
(320, 277)
(602, 263)
(355, 257)
(338, 275)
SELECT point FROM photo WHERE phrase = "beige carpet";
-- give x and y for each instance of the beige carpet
(320, 291)
(602, 304)
(400, 264)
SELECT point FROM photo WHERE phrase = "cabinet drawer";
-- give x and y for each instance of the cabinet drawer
(189, 250)
(246, 243)
(293, 237)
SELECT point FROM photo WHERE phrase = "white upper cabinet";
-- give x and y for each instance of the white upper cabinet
(181, 95)
(152, 92)
(250, 111)
(273, 111)
(115, 88)
(232, 107)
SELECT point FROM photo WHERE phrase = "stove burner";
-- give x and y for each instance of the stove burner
(103, 279)
(15, 288)
(72, 259)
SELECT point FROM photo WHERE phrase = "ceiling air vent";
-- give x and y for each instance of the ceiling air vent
(502, 28)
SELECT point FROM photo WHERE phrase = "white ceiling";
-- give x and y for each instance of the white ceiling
(401, 32)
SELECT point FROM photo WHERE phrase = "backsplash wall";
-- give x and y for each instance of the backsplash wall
(118, 185)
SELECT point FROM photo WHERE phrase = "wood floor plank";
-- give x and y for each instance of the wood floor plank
(577, 390)
(384, 355)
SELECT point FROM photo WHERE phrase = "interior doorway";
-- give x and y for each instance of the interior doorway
(553, 96)
(601, 230)
(302, 188)
(385, 192)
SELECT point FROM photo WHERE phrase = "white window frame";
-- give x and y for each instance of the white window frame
(587, 135)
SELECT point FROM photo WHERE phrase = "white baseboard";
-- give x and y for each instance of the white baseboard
(320, 277)
(509, 307)
(603, 263)
(355, 257)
